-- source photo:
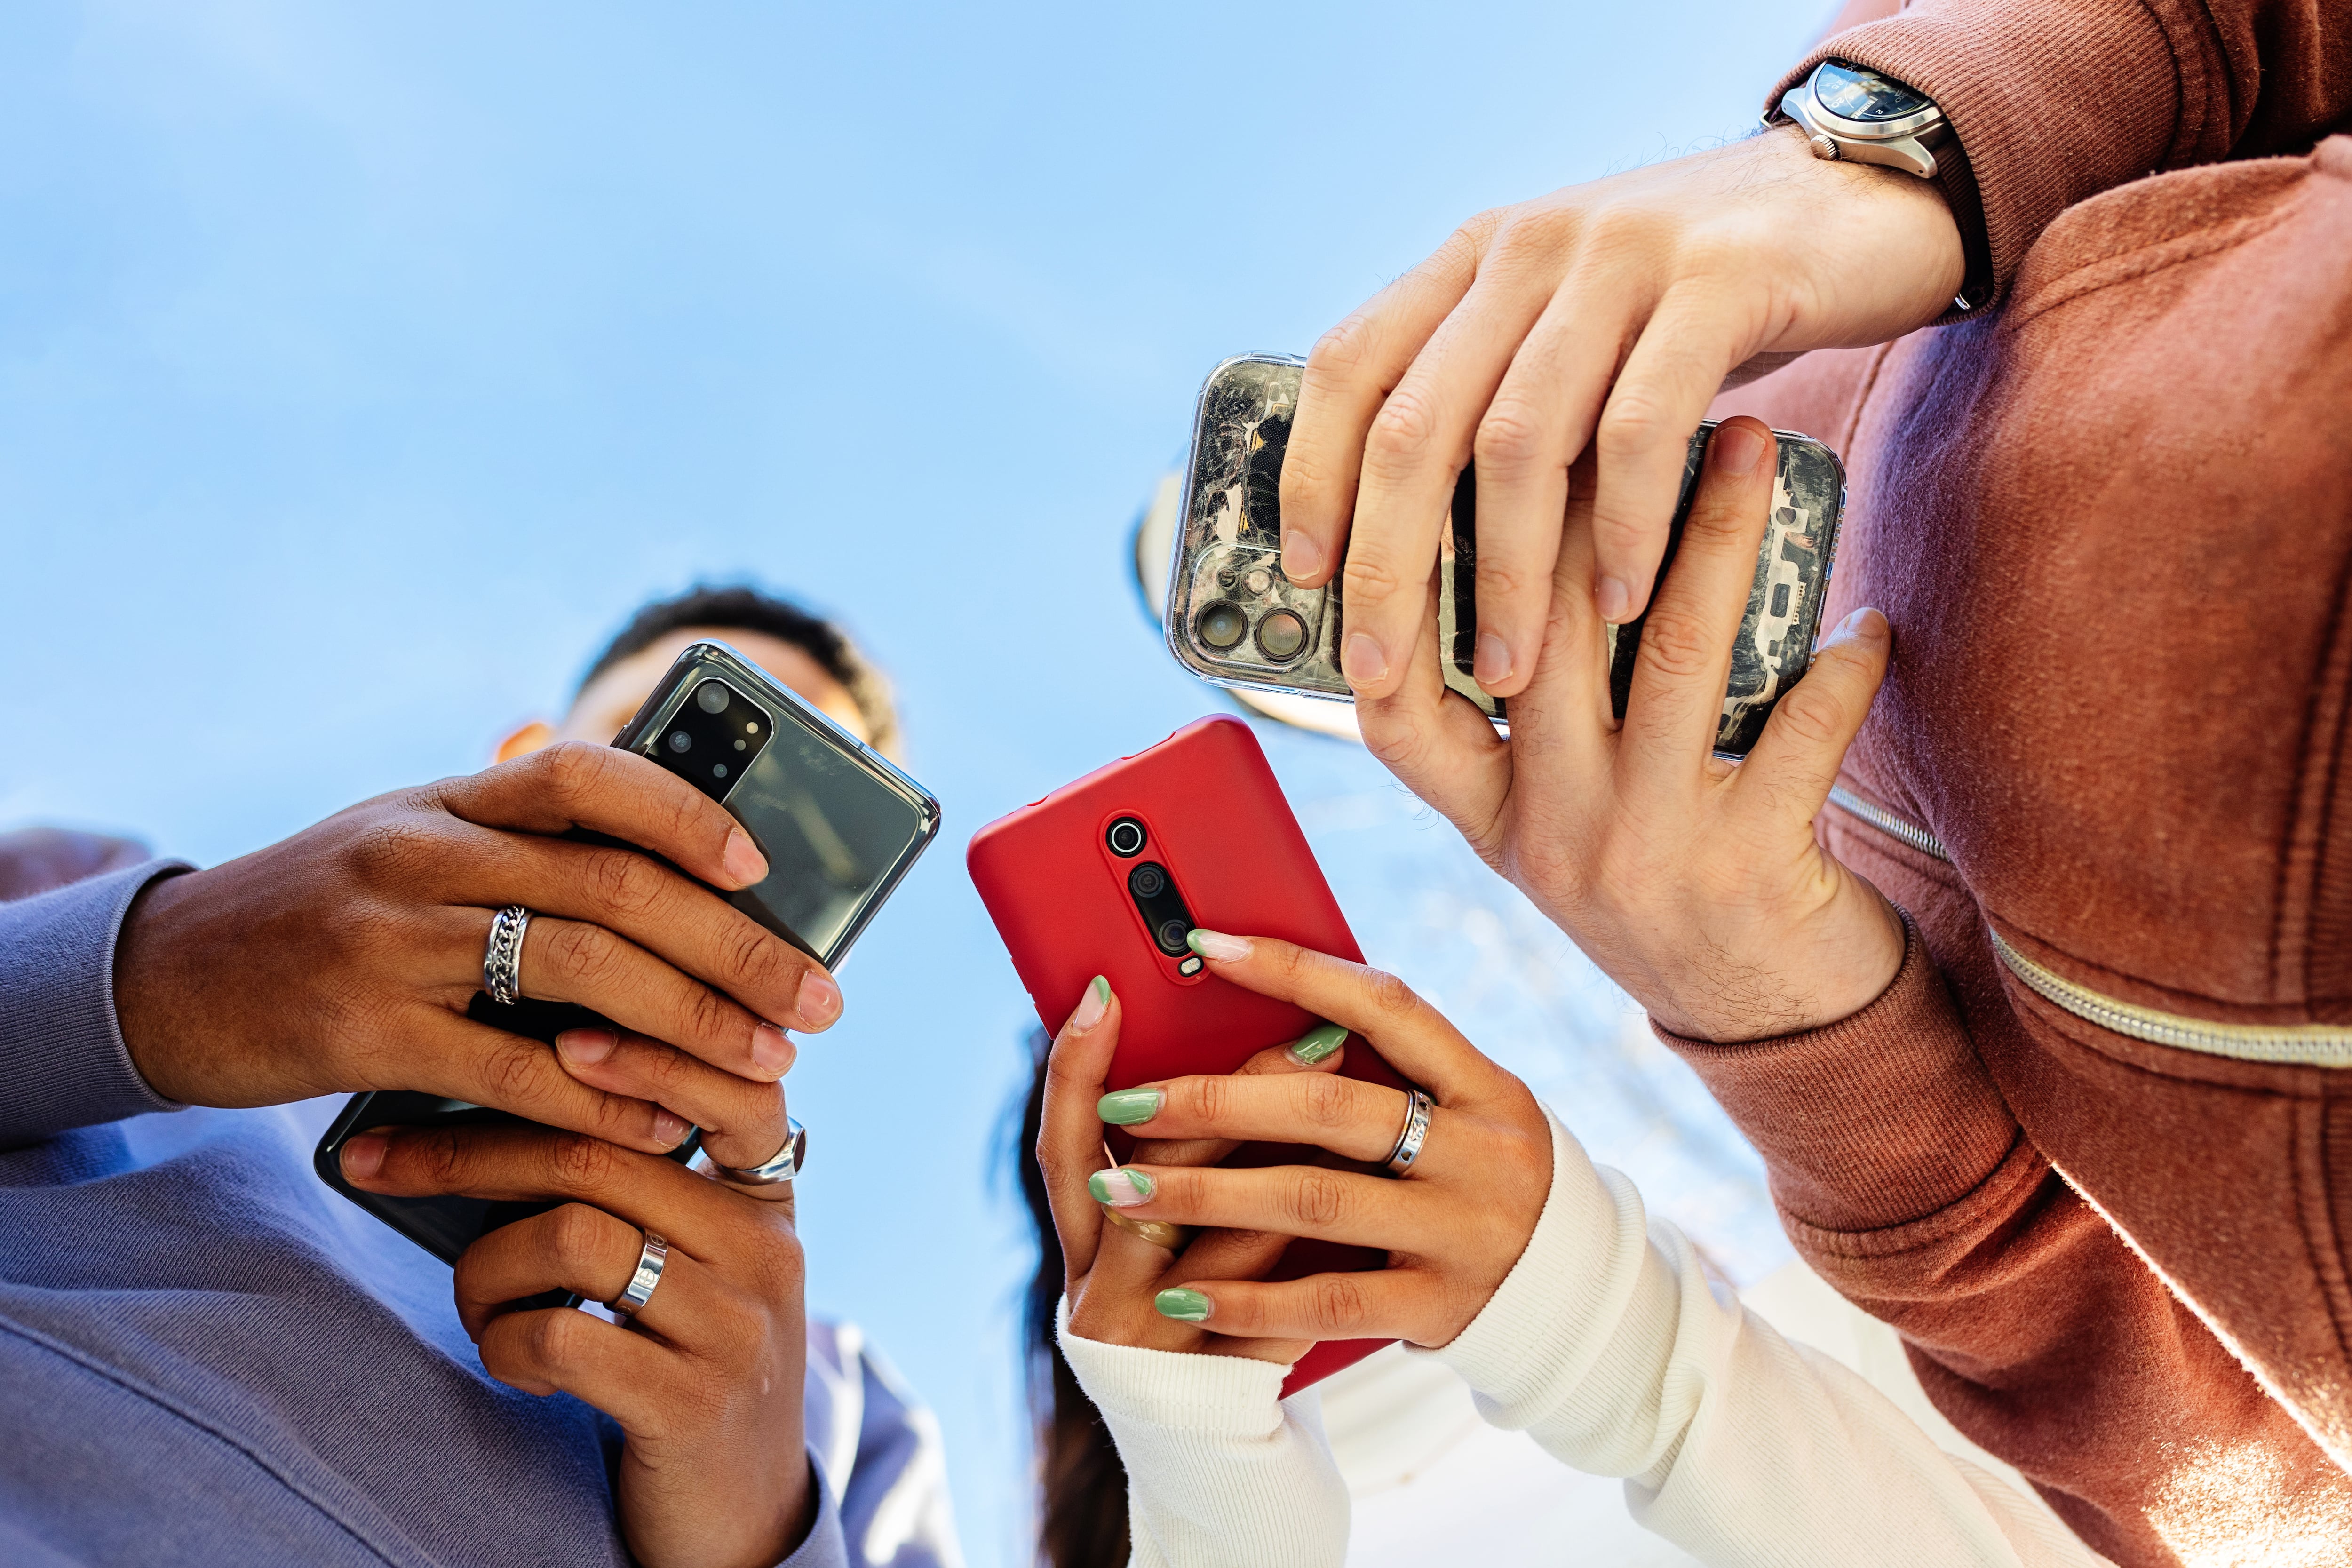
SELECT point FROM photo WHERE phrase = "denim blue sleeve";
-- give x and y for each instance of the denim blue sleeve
(62, 1060)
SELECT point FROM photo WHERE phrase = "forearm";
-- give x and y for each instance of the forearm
(1220, 1472)
(62, 1060)
(1608, 1346)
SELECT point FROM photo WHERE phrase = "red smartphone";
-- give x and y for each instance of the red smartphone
(1107, 877)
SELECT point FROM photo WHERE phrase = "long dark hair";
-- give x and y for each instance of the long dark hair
(1082, 1500)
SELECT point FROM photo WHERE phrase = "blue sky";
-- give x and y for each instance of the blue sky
(361, 367)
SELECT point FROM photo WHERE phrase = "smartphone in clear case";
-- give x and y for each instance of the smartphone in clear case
(840, 826)
(1234, 619)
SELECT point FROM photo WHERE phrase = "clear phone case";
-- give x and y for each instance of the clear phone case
(1233, 618)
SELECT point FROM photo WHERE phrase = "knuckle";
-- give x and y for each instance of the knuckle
(574, 771)
(1338, 1303)
(1513, 441)
(1811, 716)
(582, 955)
(576, 1233)
(1345, 352)
(1632, 424)
(1211, 1097)
(519, 1070)
(1403, 432)
(1674, 643)
(1390, 994)
(1370, 575)
(759, 962)
(624, 882)
(581, 1164)
(1326, 1099)
(780, 1263)
(1318, 1199)
(707, 1015)
(1504, 579)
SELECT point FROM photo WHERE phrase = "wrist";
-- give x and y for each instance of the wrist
(149, 1003)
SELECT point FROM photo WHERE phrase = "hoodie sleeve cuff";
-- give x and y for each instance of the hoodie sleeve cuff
(1875, 1121)
(2050, 101)
(63, 1062)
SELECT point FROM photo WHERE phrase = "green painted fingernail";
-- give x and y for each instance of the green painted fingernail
(1129, 1106)
(1318, 1043)
(1122, 1188)
(1101, 988)
(1184, 1306)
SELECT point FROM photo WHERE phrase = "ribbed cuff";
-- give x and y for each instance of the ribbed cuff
(1215, 1395)
(62, 1060)
(2050, 101)
(1875, 1121)
(1536, 1344)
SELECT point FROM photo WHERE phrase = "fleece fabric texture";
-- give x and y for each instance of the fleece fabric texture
(2112, 529)
(207, 1357)
(1607, 1344)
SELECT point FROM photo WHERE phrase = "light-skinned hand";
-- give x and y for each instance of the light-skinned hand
(1696, 882)
(1602, 318)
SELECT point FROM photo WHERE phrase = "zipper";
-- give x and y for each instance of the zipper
(2297, 1045)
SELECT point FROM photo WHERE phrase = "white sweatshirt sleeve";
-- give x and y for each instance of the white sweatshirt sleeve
(1607, 1346)
(1220, 1472)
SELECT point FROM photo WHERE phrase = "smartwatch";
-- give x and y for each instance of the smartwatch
(1862, 116)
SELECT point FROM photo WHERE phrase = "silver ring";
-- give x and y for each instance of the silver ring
(650, 1258)
(1417, 1107)
(502, 959)
(782, 1167)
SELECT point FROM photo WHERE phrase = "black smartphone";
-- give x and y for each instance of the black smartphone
(839, 823)
(1233, 618)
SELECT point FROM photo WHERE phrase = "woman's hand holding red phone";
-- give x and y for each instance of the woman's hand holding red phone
(1453, 1227)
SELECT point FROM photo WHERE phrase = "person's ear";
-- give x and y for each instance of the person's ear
(529, 739)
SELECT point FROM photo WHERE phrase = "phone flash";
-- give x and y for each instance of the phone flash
(1190, 966)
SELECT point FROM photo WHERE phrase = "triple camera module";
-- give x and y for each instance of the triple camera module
(1155, 895)
(712, 738)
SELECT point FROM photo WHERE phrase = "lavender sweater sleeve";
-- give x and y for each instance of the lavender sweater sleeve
(62, 1060)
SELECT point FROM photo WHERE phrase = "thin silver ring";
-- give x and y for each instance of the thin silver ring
(650, 1258)
(502, 959)
(1417, 1107)
(782, 1167)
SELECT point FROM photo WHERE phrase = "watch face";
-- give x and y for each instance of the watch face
(1851, 92)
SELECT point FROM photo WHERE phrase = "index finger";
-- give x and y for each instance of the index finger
(1319, 1050)
(1348, 378)
(1413, 1037)
(521, 1165)
(606, 790)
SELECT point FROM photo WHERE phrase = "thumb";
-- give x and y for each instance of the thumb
(1804, 742)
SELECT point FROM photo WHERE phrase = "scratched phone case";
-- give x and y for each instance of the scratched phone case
(1233, 618)
(1216, 820)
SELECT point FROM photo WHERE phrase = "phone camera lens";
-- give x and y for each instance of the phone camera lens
(1282, 634)
(679, 740)
(1147, 881)
(712, 697)
(1223, 625)
(719, 770)
(1126, 837)
(1172, 934)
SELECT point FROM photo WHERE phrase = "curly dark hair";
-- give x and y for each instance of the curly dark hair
(739, 606)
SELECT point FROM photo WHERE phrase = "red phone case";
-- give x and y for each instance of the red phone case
(1218, 821)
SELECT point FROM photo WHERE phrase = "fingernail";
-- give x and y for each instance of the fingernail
(1301, 557)
(1122, 1188)
(1865, 624)
(1493, 664)
(1317, 1043)
(363, 1155)
(743, 861)
(1611, 598)
(1216, 944)
(772, 1049)
(1091, 1006)
(819, 1003)
(670, 1131)
(585, 1048)
(1184, 1306)
(1362, 661)
(1735, 449)
(1129, 1106)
